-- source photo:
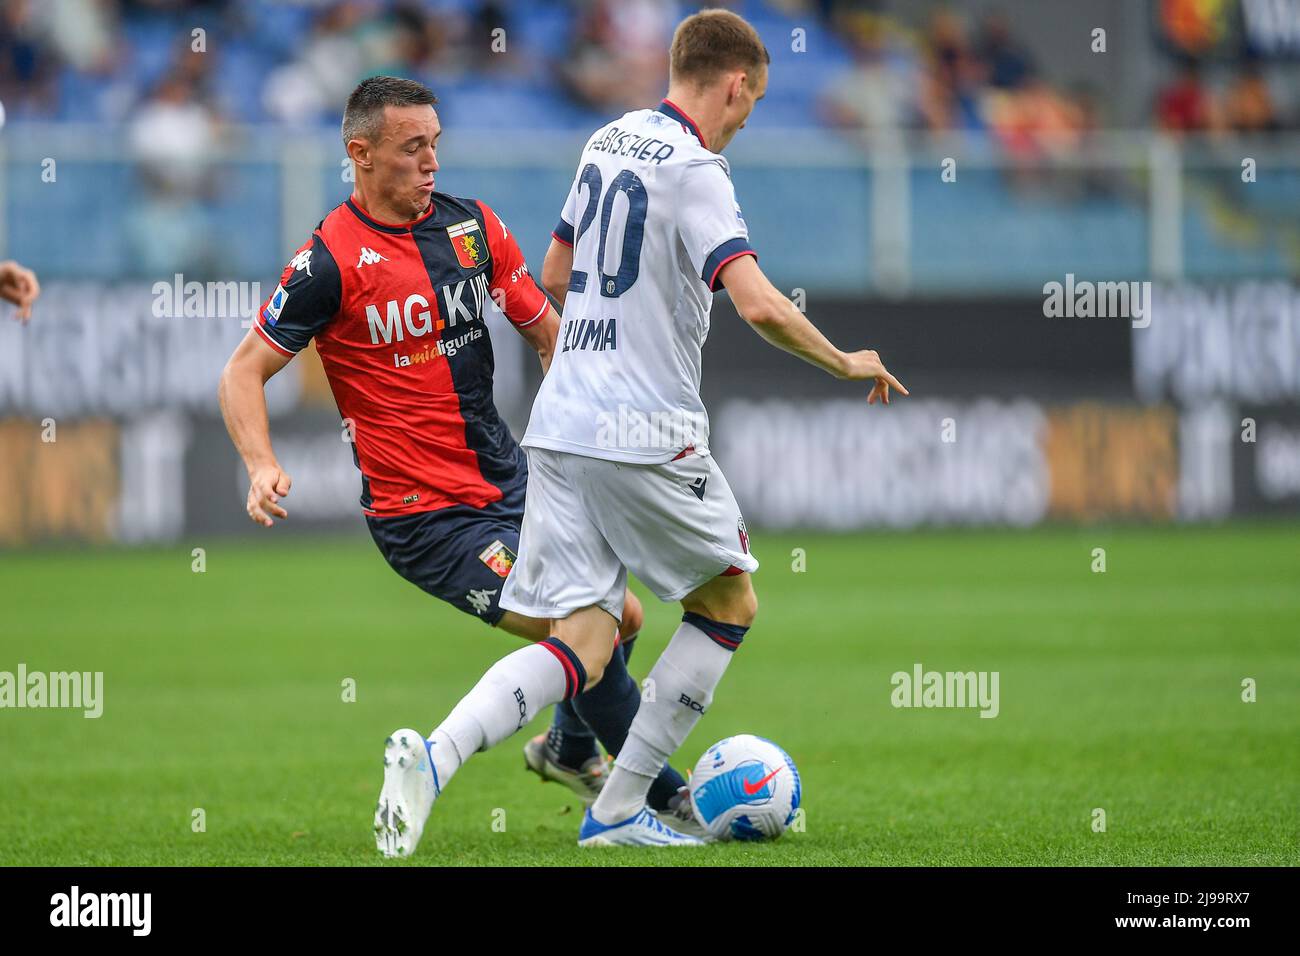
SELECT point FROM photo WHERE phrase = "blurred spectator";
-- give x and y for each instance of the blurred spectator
(1007, 64)
(487, 17)
(1248, 105)
(1186, 105)
(332, 61)
(875, 93)
(950, 88)
(1091, 178)
(619, 55)
(172, 137)
(27, 63)
(1036, 122)
(83, 32)
(418, 42)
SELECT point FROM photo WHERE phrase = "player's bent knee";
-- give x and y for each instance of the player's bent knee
(730, 600)
(745, 605)
(594, 660)
(589, 634)
(743, 611)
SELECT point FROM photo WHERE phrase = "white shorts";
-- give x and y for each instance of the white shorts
(588, 521)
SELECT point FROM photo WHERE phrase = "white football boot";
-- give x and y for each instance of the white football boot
(410, 787)
(641, 829)
(586, 782)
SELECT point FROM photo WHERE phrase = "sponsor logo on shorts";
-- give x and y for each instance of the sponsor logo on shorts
(480, 600)
(743, 532)
(499, 558)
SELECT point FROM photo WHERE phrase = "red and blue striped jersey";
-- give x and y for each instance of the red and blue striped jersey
(397, 315)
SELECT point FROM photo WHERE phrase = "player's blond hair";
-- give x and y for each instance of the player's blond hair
(714, 41)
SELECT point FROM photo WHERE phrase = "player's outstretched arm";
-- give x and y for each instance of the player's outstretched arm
(775, 317)
(243, 406)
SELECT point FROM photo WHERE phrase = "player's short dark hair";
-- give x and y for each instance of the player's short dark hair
(712, 42)
(364, 114)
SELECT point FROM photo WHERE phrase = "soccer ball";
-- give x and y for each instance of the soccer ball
(745, 788)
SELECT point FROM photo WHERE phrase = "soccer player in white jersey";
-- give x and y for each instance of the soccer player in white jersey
(620, 475)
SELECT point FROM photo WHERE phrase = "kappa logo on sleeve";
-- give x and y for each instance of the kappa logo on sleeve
(499, 558)
(302, 261)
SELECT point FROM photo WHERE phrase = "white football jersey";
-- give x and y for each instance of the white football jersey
(652, 218)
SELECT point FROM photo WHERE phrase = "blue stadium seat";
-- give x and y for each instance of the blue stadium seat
(280, 28)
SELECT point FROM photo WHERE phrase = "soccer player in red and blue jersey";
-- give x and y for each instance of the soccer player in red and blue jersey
(392, 285)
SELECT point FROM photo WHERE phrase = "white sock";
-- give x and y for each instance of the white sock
(624, 793)
(684, 679)
(512, 692)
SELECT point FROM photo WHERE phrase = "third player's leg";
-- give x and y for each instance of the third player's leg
(633, 617)
(529, 628)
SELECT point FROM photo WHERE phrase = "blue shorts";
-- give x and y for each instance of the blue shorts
(458, 554)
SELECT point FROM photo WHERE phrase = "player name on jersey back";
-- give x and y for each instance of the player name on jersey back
(618, 142)
(652, 218)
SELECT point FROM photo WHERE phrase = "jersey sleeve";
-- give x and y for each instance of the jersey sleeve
(308, 297)
(563, 230)
(709, 219)
(511, 284)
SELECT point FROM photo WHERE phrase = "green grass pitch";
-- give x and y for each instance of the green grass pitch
(1119, 690)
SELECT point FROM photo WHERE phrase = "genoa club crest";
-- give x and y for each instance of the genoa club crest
(468, 242)
(499, 558)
